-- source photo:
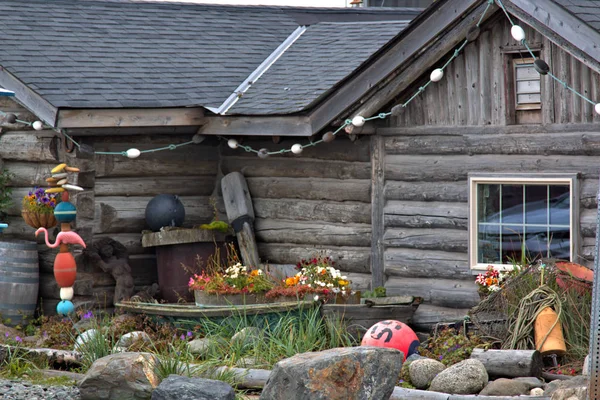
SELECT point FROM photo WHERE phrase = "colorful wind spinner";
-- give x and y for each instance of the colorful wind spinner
(65, 268)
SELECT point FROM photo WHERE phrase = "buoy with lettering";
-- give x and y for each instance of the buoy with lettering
(392, 334)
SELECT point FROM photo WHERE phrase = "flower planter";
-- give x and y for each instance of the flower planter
(206, 300)
(38, 220)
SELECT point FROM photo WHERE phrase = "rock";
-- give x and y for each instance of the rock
(200, 347)
(183, 388)
(121, 376)
(422, 372)
(85, 337)
(531, 382)
(586, 366)
(466, 377)
(349, 373)
(130, 338)
(536, 392)
(413, 357)
(246, 337)
(505, 387)
(564, 389)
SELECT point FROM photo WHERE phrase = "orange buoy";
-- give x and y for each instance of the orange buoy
(555, 342)
(65, 269)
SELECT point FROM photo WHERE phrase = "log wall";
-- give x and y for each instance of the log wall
(464, 124)
(318, 201)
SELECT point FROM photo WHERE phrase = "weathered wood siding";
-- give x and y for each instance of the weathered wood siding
(317, 201)
(463, 124)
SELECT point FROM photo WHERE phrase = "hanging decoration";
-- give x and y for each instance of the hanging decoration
(65, 212)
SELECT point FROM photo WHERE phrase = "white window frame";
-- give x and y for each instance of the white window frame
(524, 63)
(570, 179)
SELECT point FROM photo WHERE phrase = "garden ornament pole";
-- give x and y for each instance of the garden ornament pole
(594, 353)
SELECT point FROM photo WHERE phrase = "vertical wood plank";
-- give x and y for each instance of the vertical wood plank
(547, 85)
(377, 203)
(595, 95)
(461, 89)
(473, 83)
(561, 96)
(451, 103)
(442, 99)
(429, 105)
(586, 84)
(498, 106)
(574, 81)
(485, 78)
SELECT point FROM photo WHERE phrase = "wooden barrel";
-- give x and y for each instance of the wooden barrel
(19, 280)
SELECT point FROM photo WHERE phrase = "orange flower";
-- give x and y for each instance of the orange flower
(254, 272)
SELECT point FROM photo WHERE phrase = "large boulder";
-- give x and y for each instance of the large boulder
(422, 371)
(466, 377)
(351, 373)
(506, 387)
(120, 376)
(184, 388)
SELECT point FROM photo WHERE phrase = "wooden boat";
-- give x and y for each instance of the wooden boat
(188, 315)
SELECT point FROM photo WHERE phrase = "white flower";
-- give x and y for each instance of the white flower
(330, 285)
(316, 297)
(259, 272)
(309, 285)
(494, 288)
(336, 290)
(345, 277)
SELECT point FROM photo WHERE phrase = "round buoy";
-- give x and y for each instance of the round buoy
(65, 269)
(65, 307)
(65, 212)
(392, 334)
(164, 210)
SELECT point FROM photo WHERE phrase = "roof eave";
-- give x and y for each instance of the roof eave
(73, 118)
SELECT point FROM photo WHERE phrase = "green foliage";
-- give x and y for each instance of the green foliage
(175, 361)
(219, 226)
(451, 347)
(377, 292)
(16, 364)
(5, 191)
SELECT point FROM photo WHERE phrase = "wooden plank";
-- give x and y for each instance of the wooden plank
(547, 85)
(155, 185)
(457, 168)
(26, 146)
(562, 95)
(166, 163)
(310, 189)
(451, 240)
(129, 117)
(377, 206)
(313, 232)
(474, 85)
(312, 210)
(584, 80)
(126, 215)
(179, 236)
(29, 174)
(426, 214)
(427, 191)
(484, 130)
(416, 263)
(277, 167)
(485, 77)
(452, 293)
(258, 126)
(575, 83)
(576, 143)
(427, 316)
(349, 259)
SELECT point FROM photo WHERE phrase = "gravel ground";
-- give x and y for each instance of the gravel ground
(23, 390)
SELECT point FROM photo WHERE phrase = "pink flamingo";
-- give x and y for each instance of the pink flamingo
(68, 237)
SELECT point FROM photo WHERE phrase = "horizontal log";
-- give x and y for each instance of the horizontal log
(427, 239)
(417, 263)
(557, 143)
(427, 191)
(25, 146)
(52, 356)
(313, 210)
(125, 215)
(342, 149)
(28, 174)
(165, 163)
(427, 316)
(310, 189)
(510, 363)
(587, 219)
(315, 232)
(454, 293)
(426, 214)
(348, 259)
(277, 167)
(486, 129)
(456, 167)
(155, 185)
(589, 193)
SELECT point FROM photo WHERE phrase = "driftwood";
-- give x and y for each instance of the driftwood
(53, 356)
(510, 363)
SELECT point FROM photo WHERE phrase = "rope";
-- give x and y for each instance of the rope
(521, 326)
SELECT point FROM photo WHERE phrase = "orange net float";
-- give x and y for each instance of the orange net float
(392, 334)
(65, 269)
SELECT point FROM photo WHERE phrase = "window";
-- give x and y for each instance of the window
(512, 216)
(527, 85)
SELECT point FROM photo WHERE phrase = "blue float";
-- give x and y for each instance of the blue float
(65, 307)
(65, 212)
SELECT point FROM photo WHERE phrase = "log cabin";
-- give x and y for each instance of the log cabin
(491, 158)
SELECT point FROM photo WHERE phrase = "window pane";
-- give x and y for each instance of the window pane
(512, 204)
(536, 207)
(528, 98)
(528, 72)
(536, 241)
(512, 242)
(488, 203)
(528, 86)
(560, 244)
(560, 205)
(488, 250)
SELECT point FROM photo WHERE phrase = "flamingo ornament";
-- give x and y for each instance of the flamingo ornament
(63, 237)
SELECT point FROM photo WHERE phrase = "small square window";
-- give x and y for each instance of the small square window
(513, 217)
(528, 94)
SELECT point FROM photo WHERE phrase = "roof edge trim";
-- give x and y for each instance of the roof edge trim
(260, 70)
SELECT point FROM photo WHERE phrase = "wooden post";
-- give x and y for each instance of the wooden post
(377, 203)
(240, 213)
(510, 363)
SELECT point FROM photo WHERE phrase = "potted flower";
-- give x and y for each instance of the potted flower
(237, 285)
(488, 282)
(317, 277)
(38, 208)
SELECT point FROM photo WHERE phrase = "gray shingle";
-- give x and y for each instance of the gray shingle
(586, 10)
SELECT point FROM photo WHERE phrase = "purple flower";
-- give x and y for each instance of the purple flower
(45, 334)
(18, 339)
(182, 337)
(190, 334)
(441, 357)
(6, 334)
(87, 315)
